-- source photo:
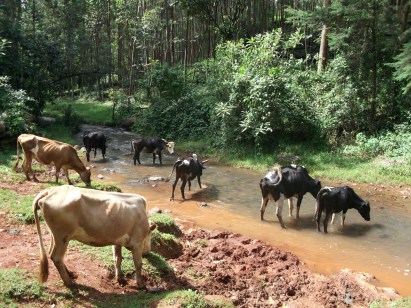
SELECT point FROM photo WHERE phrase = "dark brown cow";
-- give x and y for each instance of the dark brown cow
(50, 152)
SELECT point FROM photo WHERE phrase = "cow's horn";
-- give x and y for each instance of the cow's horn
(204, 161)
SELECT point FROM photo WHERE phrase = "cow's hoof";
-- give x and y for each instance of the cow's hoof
(283, 226)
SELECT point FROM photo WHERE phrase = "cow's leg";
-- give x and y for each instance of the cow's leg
(189, 185)
(95, 152)
(183, 185)
(279, 210)
(27, 164)
(264, 201)
(160, 158)
(333, 218)
(318, 213)
(57, 255)
(199, 181)
(343, 218)
(137, 155)
(66, 173)
(118, 258)
(154, 158)
(325, 221)
(299, 200)
(290, 206)
(138, 263)
(88, 150)
(174, 187)
(57, 173)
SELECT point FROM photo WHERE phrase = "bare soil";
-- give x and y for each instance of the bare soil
(247, 272)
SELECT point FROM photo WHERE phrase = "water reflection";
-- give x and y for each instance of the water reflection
(380, 247)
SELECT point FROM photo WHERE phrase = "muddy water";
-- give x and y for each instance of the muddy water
(381, 247)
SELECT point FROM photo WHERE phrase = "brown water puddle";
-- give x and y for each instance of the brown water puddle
(380, 247)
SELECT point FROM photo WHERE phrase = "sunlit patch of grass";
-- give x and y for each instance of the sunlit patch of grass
(401, 303)
(16, 288)
(18, 206)
(101, 186)
(180, 298)
(91, 111)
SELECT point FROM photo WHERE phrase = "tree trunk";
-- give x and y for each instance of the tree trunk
(323, 56)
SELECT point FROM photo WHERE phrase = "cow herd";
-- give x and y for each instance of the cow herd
(102, 218)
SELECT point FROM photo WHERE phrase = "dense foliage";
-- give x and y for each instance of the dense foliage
(230, 72)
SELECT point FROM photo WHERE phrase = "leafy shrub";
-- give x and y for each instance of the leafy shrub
(13, 108)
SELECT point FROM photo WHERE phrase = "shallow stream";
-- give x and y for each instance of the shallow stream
(381, 247)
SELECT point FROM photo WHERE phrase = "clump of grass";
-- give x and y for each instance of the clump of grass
(166, 224)
(18, 206)
(16, 287)
(101, 186)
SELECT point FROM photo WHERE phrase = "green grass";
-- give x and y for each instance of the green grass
(153, 264)
(18, 206)
(17, 288)
(401, 303)
(180, 298)
(321, 161)
(89, 110)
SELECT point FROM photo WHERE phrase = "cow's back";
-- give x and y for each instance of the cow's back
(95, 217)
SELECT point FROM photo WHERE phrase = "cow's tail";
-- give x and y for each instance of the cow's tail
(319, 206)
(18, 154)
(44, 264)
(175, 164)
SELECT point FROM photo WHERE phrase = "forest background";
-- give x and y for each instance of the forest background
(322, 83)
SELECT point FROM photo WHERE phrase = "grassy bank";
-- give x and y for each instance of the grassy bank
(321, 160)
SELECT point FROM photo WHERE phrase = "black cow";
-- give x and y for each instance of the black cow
(337, 199)
(94, 140)
(187, 169)
(287, 182)
(151, 145)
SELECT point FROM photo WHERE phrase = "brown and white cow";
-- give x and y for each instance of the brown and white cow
(50, 152)
(95, 218)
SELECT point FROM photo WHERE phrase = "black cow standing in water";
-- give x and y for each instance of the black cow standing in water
(187, 169)
(336, 199)
(151, 145)
(285, 183)
(94, 140)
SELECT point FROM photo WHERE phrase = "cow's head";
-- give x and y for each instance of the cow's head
(147, 239)
(86, 176)
(170, 147)
(364, 210)
(315, 187)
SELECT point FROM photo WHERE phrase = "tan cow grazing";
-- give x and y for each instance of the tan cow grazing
(95, 218)
(50, 152)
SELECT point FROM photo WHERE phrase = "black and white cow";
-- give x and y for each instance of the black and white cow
(336, 199)
(94, 140)
(151, 145)
(285, 183)
(187, 169)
